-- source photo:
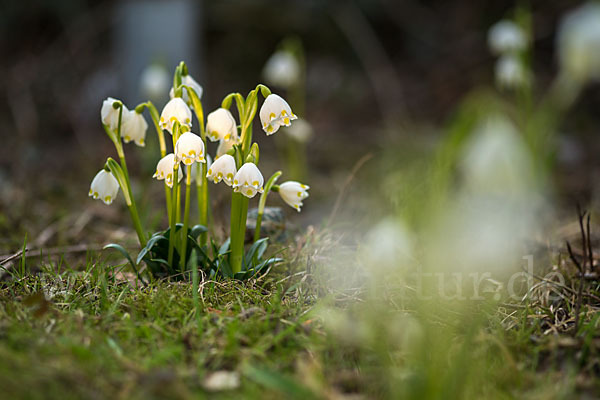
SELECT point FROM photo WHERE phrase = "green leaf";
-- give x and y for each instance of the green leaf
(255, 252)
(197, 230)
(124, 252)
(150, 245)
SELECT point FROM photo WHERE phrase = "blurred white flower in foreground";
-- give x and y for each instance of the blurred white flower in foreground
(579, 43)
(301, 130)
(293, 193)
(220, 125)
(248, 180)
(510, 72)
(282, 69)
(191, 82)
(134, 128)
(164, 170)
(189, 149)
(154, 81)
(274, 113)
(175, 111)
(110, 115)
(222, 169)
(387, 246)
(104, 187)
(505, 36)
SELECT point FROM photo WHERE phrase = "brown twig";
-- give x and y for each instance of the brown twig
(580, 291)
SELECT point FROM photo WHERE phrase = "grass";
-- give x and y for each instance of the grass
(92, 332)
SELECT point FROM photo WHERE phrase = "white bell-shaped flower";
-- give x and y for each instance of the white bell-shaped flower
(224, 147)
(293, 193)
(191, 82)
(220, 125)
(248, 180)
(154, 81)
(275, 112)
(134, 128)
(579, 43)
(110, 115)
(189, 149)
(104, 187)
(176, 110)
(510, 72)
(222, 169)
(282, 69)
(164, 170)
(506, 37)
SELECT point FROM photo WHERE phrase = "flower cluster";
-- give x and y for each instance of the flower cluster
(509, 41)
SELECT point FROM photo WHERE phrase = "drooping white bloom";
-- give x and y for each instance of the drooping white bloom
(164, 170)
(134, 128)
(275, 112)
(191, 82)
(154, 81)
(293, 193)
(110, 115)
(189, 149)
(282, 69)
(301, 130)
(175, 111)
(510, 72)
(223, 169)
(104, 187)
(248, 180)
(505, 36)
(220, 125)
(224, 147)
(579, 43)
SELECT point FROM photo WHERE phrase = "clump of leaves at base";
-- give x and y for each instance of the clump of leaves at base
(213, 262)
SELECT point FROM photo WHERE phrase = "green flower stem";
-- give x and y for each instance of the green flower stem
(131, 205)
(270, 185)
(174, 206)
(186, 217)
(239, 211)
(163, 148)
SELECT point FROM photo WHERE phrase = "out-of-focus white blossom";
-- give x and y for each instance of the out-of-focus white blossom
(301, 130)
(110, 115)
(189, 149)
(510, 72)
(248, 180)
(154, 81)
(104, 187)
(387, 246)
(134, 128)
(191, 82)
(579, 43)
(293, 193)
(220, 125)
(175, 111)
(222, 169)
(164, 170)
(506, 37)
(274, 113)
(282, 69)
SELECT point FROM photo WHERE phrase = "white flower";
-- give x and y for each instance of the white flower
(110, 115)
(175, 110)
(506, 36)
(222, 169)
(154, 81)
(224, 147)
(191, 82)
(248, 180)
(579, 43)
(220, 125)
(104, 187)
(274, 113)
(301, 130)
(164, 170)
(134, 128)
(282, 69)
(510, 72)
(189, 148)
(293, 193)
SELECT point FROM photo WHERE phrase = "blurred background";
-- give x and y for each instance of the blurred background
(382, 78)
